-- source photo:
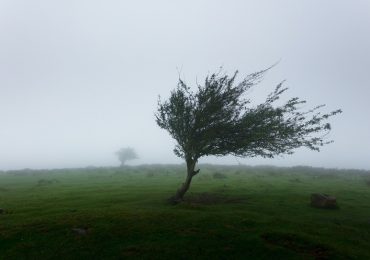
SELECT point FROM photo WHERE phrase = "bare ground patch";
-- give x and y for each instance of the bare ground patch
(298, 244)
(207, 198)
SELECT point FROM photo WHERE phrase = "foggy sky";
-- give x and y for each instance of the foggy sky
(80, 79)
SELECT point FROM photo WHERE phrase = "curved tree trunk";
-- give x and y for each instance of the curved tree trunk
(179, 196)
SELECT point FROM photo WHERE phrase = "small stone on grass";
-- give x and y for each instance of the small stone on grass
(80, 231)
(323, 201)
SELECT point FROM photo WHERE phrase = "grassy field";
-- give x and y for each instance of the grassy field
(231, 212)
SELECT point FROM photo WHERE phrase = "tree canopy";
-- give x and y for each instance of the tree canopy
(219, 119)
(126, 154)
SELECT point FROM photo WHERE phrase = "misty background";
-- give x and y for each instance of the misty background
(81, 79)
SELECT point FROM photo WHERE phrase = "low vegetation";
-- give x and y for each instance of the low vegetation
(118, 213)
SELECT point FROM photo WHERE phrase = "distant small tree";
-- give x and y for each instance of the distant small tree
(126, 154)
(218, 119)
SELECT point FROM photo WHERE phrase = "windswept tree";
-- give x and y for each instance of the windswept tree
(126, 154)
(218, 119)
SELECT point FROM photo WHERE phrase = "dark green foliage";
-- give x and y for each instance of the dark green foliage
(218, 120)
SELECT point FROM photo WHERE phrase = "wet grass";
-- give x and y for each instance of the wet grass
(251, 212)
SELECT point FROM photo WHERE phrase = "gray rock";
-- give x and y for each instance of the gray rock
(80, 231)
(323, 201)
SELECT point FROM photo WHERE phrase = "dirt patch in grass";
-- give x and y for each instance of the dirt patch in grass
(298, 244)
(295, 180)
(149, 174)
(43, 182)
(206, 198)
(189, 231)
(131, 251)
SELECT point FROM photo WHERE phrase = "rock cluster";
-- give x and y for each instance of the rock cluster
(323, 201)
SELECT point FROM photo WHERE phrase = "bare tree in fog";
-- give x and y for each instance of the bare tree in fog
(126, 154)
(218, 119)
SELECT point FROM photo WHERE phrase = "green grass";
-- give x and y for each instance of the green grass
(248, 212)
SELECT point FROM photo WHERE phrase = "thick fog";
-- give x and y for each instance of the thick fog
(81, 79)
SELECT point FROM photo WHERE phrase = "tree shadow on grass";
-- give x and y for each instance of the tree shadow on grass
(206, 198)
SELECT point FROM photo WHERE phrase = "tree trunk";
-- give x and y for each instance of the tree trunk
(179, 196)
